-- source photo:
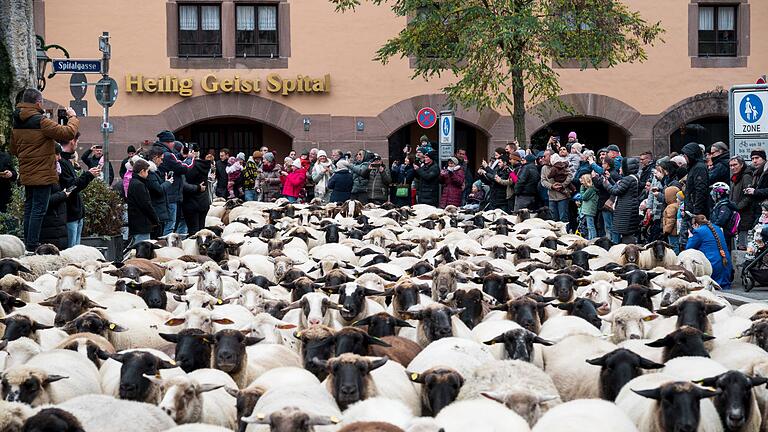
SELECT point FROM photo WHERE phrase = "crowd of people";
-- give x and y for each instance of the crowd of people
(700, 196)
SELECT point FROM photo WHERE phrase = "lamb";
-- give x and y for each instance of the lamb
(520, 386)
(198, 397)
(585, 415)
(695, 261)
(480, 414)
(11, 246)
(103, 413)
(648, 401)
(59, 375)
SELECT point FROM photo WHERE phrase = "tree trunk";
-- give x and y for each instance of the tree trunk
(17, 58)
(518, 110)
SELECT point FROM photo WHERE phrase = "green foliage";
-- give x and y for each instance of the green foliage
(6, 108)
(502, 51)
(12, 222)
(103, 210)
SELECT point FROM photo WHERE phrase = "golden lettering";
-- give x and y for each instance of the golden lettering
(131, 82)
(209, 83)
(246, 86)
(226, 85)
(185, 87)
(150, 85)
(236, 84)
(273, 83)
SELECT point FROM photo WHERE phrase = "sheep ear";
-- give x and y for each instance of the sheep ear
(154, 379)
(376, 341)
(375, 364)
(544, 342)
(252, 340)
(650, 393)
(494, 396)
(564, 306)
(758, 381)
(402, 323)
(668, 311)
(38, 326)
(497, 339)
(648, 364)
(170, 337)
(711, 308)
(235, 393)
(116, 328)
(166, 364)
(703, 393)
(175, 321)
(319, 363)
(363, 322)
(53, 379)
(599, 361)
(415, 377)
(659, 343)
(28, 288)
(223, 321)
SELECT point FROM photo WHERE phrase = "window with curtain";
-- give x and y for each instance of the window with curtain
(256, 31)
(717, 31)
(199, 30)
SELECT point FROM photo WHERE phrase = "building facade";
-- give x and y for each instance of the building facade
(293, 74)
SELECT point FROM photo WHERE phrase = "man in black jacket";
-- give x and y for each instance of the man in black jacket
(527, 186)
(647, 165)
(172, 163)
(69, 178)
(221, 173)
(8, 175)
(157, 185)
(697, 185)
(428, 173)
(758, 190)
(720, 171)
(142, 218)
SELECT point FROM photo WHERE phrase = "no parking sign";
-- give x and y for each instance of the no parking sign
(426, 117)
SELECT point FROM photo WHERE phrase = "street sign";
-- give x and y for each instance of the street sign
(76, 66)
(445, 140)
(748, 121)
(426, 118)
(80, 106)
(761, 80)
(78, 85)
(106, 92)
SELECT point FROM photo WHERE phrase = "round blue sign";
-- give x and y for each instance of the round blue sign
(446, 126)
(751, 108)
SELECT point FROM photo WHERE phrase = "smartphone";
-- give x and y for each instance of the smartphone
(61, 114)
(70, 189)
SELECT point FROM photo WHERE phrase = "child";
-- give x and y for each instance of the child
(142, 218)
(588, 209)
(682, 237)
(756, 242)
(669, 217)
(722, 212)
(234, 170)
(475, 197)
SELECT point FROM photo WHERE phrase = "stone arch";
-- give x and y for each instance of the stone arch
(251, 107)
(708, 104)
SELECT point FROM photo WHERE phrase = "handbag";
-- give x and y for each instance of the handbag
(609, 203)
(402, 191)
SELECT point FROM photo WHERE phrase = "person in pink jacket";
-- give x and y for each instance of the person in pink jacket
(452, 179)
(295, 180)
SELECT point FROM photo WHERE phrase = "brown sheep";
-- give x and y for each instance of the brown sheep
(370, 427)
(401, 350)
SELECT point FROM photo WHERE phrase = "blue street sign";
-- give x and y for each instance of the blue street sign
(751, 108)
(76, 66)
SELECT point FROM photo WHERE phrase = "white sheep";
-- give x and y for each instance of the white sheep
(480, 415)
(520, 386)
(11, 246)
(566, 363)
(312, 401)
(648, 259)
(13, 415)
(60, 375)
(105, 413)
(561, 327)
(18, 352)
(268, 327)
(585, 415)
(695, 261)
(747, 310)
(463, 355)
(198, 397)
(628, 322)
(80, 253)
(379, 409)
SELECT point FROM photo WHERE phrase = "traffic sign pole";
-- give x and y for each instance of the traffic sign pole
(106, 99)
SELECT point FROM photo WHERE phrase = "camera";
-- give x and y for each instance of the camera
(62, 116)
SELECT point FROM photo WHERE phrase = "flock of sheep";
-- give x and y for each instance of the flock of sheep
(289, 317)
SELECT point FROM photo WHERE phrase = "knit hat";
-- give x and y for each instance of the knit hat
(241, 156)
(680, 195)
(423, 138)
(166, 136)
(680, 160)
(297, 163)
(321, 153)
(572, 135)
(613, 147)
(555, 158)
(269, 157)
(757, 152)
(720, 146)
(257, 154)
(231, 160)
(454, 160)
(342, 164)
(530, 158)
(131, 149)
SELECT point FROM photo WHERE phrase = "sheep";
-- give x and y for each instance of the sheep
(105, 413)
(13, 415)
(123, 374)
(524, 311)
(316, 343)
(436, 321)
(521, 386)
(18, 352)
(463, 355)
(267, 327)
(287, 409)
(566, 363)
(585, 415)
(439, 388)
(399, 349)
(214, 280)
(175, 271)
(561, 327)
(657, 254)
(480, 414)
(80, 253)
(628, 322)
(198, 397)
(314, 311)
(57, 376)
(657, 403)
(695, 261)
(69, 278)
(11, 246)
(685, 341)
(87, 345)
(378, 409)
(17, 287)
(355, 304)
(352, 378)
(199, 318)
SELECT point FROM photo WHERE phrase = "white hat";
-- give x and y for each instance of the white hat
(297, 163)
(321, 153)
(241, 156)
(555, 158)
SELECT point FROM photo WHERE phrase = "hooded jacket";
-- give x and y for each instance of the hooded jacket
(54, 229)
(378, 183)
(68, 178)
(33, 142)
(697, 185)
(195, 200)
(739, 182)
(142, 218)
(428, 189)
(720, 170)
(669, 217)
(157, 193)
(340, 184)
(172, 162)
(358, 170)
(626, 218)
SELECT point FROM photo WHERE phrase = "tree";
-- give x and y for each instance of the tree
(502, 51)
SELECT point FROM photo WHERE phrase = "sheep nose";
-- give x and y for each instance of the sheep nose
(226, 356)
(314, 321)
(126, 387)
(347, 389)
(634, 336)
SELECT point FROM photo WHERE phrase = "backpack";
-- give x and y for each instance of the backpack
(732, 227)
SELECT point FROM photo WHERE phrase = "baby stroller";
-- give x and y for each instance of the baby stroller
(755, 271)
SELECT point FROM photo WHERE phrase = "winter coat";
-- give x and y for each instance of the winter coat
(340, 184)
(294, 182)
(269, 181)
(626, 218)
(557, 173)
(646, 175)
(739, 182)
(703, 240)
(33, 142)
(720, 171)
(54, 229)
(378, 184)
(320, 178)
(68, 178)
(453, 187)
(5, 184)
(722, 212)
(250, 173)
(498, 193)
(428, 190)
(589, 198)
(195, 200)
(157, 193)
(142, 218)
(402, 176)
(527, 181)
(669, 217)
(221, 178)
(172, 162)
(697, 185)
(358, 170)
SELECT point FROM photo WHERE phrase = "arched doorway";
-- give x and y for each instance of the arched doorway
(707, 130)
(236, 134)
(466, 136)
(594, 133)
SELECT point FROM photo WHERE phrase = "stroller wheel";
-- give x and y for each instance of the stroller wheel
(749, 283)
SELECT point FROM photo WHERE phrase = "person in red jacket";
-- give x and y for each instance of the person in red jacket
(294, 182)
(452, 179)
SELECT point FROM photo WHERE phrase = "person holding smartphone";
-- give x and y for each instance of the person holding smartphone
(54, 229)
(70, 180)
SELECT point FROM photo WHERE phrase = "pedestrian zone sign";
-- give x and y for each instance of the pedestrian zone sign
(750, 117)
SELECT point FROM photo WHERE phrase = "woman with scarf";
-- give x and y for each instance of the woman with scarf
(294, 181)
(452, 179)
(556, 178)
(710, 240)
(269, 180)
(321, 174)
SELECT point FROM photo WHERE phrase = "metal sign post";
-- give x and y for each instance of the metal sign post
(747, 120)
(106, 94)
(445, 142)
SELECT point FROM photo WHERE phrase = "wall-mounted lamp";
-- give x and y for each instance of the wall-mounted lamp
(307, 124)
(360, 126)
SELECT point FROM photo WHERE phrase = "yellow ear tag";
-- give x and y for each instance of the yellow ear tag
(649, 318)
(260, 416)
(172, 362)
(334, 420)
(157, 375)
(298, 334)
(112, 326)
(218, 301)
(414, 376)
